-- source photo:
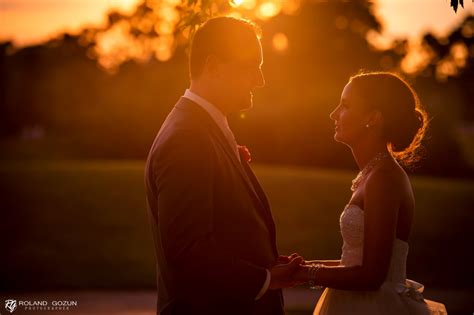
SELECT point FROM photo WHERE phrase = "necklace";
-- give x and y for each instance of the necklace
(366, 170)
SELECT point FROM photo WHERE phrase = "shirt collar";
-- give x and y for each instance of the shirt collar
(211, 109)
(216, 115)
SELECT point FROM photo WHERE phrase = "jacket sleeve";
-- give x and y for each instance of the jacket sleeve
(184, 172)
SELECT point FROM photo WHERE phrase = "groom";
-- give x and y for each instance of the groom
(213, 230)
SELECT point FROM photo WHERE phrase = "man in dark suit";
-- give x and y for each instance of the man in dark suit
(213, 230)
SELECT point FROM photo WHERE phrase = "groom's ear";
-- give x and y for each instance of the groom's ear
(211, 66)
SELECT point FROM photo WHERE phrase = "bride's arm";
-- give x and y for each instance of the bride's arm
(338, 277)
(380, 220)
(323, 262)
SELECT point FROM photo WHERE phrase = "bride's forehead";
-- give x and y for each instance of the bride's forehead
(349, 93)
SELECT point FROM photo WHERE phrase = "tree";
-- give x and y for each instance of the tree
(156, 28)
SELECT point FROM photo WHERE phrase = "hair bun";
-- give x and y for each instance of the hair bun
(406, 132)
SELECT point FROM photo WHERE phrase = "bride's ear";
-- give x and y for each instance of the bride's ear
(375, 118)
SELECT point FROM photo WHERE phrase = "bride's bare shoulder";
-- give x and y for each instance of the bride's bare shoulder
(388, 176)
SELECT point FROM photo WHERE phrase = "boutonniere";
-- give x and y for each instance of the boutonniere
(244, 153)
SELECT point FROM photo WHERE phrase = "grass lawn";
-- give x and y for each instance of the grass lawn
(83, 224)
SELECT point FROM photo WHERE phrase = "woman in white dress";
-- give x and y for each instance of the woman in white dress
(382, 121)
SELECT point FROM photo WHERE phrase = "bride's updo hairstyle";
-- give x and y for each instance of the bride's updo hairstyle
(404, 119)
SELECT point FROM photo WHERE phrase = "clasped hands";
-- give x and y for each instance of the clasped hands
(287, 271)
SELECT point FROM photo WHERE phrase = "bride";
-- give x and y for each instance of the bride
(381, 119)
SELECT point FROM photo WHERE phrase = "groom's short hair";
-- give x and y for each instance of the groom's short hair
(223, 37)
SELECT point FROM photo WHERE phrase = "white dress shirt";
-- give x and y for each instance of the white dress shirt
(221, 121)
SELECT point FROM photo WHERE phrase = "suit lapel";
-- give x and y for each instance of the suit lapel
(263, 198)
(256, 184)
(251, 182)
(226, 146)
(217, 133)
(240, 168)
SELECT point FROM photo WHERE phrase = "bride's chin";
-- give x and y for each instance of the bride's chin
(341, 140)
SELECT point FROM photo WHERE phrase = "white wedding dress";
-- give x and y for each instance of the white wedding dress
(397, 295)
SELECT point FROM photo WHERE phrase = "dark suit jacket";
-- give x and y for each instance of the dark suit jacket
(211, 222)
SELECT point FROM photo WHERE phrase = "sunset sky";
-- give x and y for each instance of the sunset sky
(32, 21)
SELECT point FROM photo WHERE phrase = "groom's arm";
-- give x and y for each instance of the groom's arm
(183, 171)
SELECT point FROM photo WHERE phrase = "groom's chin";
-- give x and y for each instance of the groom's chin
(246, 106)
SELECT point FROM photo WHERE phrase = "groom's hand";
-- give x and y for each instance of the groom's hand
(281, 274)
(282, 259)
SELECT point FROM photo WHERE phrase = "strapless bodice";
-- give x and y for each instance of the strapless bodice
(352, 230)
(396, 296)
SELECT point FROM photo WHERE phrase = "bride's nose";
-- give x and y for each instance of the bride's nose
(334, 113)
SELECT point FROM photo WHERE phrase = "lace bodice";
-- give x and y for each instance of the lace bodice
(352, 230)
(396, 295)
